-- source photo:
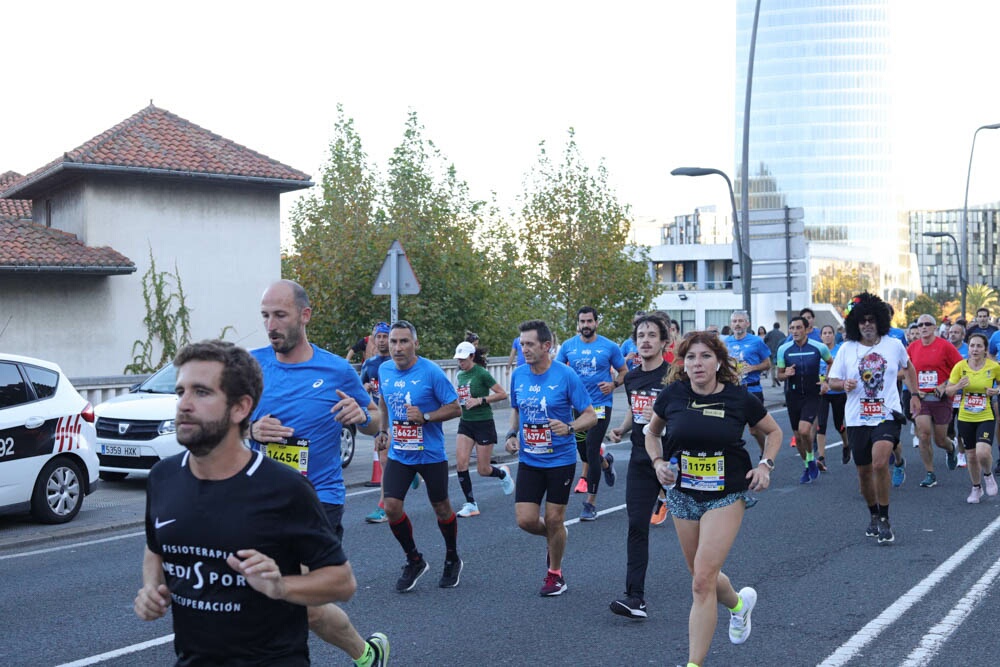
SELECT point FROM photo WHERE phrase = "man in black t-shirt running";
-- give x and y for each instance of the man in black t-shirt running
(232, 602)
(642, 385)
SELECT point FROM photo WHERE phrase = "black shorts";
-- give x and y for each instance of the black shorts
(335, 515)
(553, 484)
(397, 477)
(592, 437)
(861, 439)
(481, 432)
(973, 432)
(759, 395)
(801, 408)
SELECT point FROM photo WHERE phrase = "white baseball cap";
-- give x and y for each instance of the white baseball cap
(464, 350)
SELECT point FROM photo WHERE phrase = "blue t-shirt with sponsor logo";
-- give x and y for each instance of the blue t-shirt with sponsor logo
(748, 351)
(554, 394)
(301, 396)
(628, 347)
(425, 386)
(593, 362)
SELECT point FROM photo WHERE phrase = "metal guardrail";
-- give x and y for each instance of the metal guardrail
(101, 388)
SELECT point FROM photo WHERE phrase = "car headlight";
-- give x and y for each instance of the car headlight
(166, 426)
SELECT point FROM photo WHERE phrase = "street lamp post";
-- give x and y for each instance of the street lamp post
(742, 243)
(963, 282)
(963, 232)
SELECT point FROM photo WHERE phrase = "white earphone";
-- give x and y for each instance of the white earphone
(717, 367)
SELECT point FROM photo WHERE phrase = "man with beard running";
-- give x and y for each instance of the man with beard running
(593, 357)
(309, 395)
(643, 385)
(866, 367)
(245, 524)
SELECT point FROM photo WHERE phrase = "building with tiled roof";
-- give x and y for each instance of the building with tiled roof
(79, 235)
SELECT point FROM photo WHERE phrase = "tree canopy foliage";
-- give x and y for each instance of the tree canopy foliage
(478, 268)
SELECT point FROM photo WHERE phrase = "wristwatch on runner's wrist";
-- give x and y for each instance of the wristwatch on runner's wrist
(427, 416)
(768, 462)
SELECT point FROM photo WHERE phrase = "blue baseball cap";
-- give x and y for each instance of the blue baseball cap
(381, 327)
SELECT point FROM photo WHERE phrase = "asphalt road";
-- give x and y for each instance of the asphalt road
(828, 594)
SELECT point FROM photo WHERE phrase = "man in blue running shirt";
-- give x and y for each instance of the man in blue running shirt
(544, 398)
(416, 397)
(798, 368)
(751, 355)
(593, 357)
(309, 395)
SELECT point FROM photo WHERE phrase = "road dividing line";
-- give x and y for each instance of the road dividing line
(75, 545)
(940, 633)
(853, 646)
(117, 653)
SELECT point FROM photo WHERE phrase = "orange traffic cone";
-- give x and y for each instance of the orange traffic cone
(376, 479)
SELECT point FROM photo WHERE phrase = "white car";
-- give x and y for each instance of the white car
(136, 430)
(47, 458)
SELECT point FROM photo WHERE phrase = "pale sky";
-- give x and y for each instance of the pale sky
(648, 86)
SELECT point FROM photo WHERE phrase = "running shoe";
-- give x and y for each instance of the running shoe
(899, 474)
(412, 571)
(845, 454)
(415, 484)
(507, 482)
(975, 495)
(990, 484)
(659, 513)
(929, 481)
(821, 464)
(885, 535)
(581, 486)
(468, 509)
(451, 574)
(872, 529)
(589, 512)
(739, 623)
(554, 585)
(609, 472)
(380, 645)
(953, 458)
(916, 442)
(629, 607)
(962, 461)
(378, 516)
(805, 479)
(813, 469)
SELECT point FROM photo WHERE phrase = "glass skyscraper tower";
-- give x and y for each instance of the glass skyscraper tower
(821, 123)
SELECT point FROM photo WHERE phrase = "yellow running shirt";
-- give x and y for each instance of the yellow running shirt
(975, 403)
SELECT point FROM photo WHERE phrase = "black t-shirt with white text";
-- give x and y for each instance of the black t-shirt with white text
(642, 388)
(705, 433)
(194, 524)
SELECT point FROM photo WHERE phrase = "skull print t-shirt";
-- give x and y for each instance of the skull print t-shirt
(874, 368)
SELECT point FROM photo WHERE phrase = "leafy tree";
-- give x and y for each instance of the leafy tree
(576, 252)
(833, 284)
(981, 296)
(340, 243)
(920, 305)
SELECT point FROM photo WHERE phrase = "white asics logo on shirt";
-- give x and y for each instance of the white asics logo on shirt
(160, 524)
(317, 384)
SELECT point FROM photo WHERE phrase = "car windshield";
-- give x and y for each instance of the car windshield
(161, 382)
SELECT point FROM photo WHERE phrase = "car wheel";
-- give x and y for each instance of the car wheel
(113, 476)
(347, 435)
(59, 491)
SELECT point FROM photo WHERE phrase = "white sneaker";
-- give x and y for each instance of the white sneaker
(468, 509)
(507, 482)
(975, 495)
(916, 441)
(990, 484)
(739, 624)
(962, 462)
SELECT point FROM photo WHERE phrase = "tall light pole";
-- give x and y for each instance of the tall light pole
(963, 281)
(963, 232)
(745, 166)
(742, 248)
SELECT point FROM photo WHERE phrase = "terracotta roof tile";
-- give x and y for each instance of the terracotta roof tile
(13, 209)
(157, 139)
(30, 246)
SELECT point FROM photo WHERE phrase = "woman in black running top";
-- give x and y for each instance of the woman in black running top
(701, 415)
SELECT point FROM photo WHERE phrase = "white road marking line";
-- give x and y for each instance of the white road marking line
(940, 633)
(871, 631)
(72, 546)
(616, 508)
(125, 650)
